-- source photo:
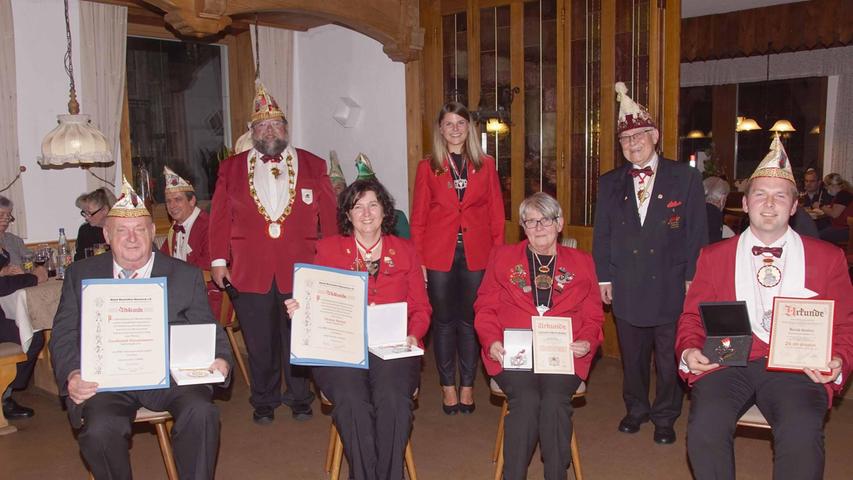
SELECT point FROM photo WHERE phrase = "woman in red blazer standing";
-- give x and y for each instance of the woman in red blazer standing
(373, 408)
(457, 217)
(538, 277)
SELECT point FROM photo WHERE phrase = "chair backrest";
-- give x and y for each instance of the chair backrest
(753, 418)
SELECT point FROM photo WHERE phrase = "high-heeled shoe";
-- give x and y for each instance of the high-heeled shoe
(450, 409)
(465, 408)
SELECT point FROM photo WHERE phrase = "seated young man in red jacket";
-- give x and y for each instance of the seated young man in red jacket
(767, 260)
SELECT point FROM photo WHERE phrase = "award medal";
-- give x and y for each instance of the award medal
(274, 226)
(365, 257)
(544, 280)
(769, 275)
(766, 320)
(459, 183)
(518, 277)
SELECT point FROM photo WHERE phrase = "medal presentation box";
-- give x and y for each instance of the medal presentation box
(728, 334)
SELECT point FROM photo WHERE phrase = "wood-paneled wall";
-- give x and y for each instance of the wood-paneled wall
(759, 31)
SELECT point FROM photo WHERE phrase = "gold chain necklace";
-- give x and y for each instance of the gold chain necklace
(274, 227)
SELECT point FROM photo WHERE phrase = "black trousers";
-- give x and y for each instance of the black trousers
(9, 333)
(452, 296)
(108, 416)
(540, 409)
(637, 345)
(794, 406)
(373, 413)
(266, 330)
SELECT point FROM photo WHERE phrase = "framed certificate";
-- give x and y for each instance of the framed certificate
(801, 334)
(551, 339)
(330, 326)
(124, 334)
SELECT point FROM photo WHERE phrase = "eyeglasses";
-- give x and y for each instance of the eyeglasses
(7, 216)
(635, 138)
(543, 222)
(85, 214)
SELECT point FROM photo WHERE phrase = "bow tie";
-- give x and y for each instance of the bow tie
(178, 228)
(635, 172)
(271, 158)
(775, 251)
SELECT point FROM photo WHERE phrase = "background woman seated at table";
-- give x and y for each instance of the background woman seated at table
(562, 280)
(373, 408)
(94, 207)
(11, 243)
(838, 210)
(12, 278)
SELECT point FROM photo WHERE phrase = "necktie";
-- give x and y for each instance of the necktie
(271, 158)
(127, 273)
(775, 251)
(636, 172)
(178, 228)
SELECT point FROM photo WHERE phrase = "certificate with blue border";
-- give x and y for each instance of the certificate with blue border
(124, 334)
(330, 326)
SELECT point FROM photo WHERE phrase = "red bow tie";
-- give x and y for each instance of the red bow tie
(635, 172)
(271, 158)
(775, 251)
(178, 228)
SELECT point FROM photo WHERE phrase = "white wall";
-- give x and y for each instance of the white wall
(42, 89)
(333, 62)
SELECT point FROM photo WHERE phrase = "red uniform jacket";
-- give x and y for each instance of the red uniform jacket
(400, 277)
(503, 304)
(238, 233)
(826, 275)
(199, 257)
(437, 215)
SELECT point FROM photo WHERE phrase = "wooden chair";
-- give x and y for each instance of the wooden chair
(162, 422)
(753, 418)
(498, 454)
(228, 320)
(335, 450)
(10, 355)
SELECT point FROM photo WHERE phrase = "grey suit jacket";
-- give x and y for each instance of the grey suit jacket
(187, 304)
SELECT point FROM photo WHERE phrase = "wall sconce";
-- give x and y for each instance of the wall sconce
(497, 121)
(745, 124)
(782, 126)
(695, 134)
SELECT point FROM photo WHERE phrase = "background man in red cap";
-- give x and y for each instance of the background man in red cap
(768, 259)
(271, 205)
(650, 223)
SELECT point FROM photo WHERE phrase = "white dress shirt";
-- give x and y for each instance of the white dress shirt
(648, 182)
(181, 247)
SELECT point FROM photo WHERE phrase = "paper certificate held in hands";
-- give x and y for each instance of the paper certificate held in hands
(801, 334)
(551, 339)
(192, 349)
(386, 331)
(330, 326)
(123, 332)
(518, 349)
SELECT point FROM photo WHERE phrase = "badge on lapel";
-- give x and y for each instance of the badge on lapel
(518, 277)
(563, 278)
(307, 196)
(674, 221)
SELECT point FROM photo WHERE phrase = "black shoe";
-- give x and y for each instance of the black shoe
(302, 412)
(11, 409)
(630, 424)
(664, 435)
(263, 415)
(465, 408)
(450, 409)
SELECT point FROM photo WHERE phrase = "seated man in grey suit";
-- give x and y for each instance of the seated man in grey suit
(106, 417)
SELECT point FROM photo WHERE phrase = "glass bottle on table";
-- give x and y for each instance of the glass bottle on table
(63, 255)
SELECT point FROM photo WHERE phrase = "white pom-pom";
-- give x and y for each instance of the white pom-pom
(620, 88)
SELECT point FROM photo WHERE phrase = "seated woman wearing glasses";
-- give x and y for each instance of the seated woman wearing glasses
(11, 245)
(94, 207)
(373, 408)
(538, 277)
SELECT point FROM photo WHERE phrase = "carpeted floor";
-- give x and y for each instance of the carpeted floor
(458, 447)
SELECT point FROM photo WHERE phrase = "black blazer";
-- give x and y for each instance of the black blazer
(649, 264)
(187, 304)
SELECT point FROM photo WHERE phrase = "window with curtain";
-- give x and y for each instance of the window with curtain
(178, 112)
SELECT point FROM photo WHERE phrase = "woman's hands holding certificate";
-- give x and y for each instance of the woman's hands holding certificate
(835, 370)
(292, 306)
(579, 348)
